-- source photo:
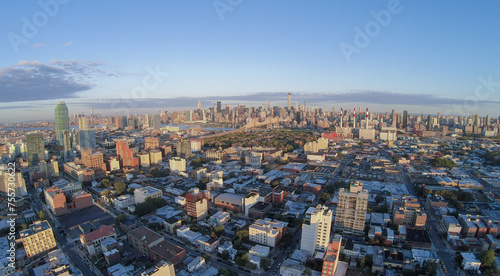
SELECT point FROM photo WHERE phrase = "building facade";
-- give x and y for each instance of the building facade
(38, 238)
(316, 229)
(351, 210)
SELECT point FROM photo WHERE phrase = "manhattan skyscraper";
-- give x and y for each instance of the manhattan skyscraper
(62, 120)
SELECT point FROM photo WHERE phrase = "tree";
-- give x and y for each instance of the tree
(155, 172)
(308, 272)
(487, 259)
(275, 183)
(41, 215)
(218, 230)
(242, 260)
(149, 205)
(120, 187)
(242, 234)
(251, 266)
(105, 182)
(265, 263)
(202, 184)
(441, 162)
(225, 255)
(120, 218)
(362, 262)
(225, 272)
(491, 272)
(330, 188)
(325, 196)
(197, 162)
(430, 268)
(156, 226)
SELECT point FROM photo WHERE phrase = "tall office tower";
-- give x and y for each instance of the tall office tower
(119, 122)
(188, 114)
(35, 148)
(67, 143)
(146, 120)
(476, 120)
(83, 123)
(289, 101)
(219, 107)
(6, 183)
(199, 105)
(393, 118)
(405, 119)
(86, 139)
(38, 238)
(197, 203)
(62, 120)
(351, 210)
(429, 122)
(132, 122)
(124, 121)
(488, 120)
(439, 119)
(156, 122)
(91, 111)
(316, 229)
(332, 256)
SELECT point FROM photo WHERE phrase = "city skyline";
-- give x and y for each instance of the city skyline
(384, 55)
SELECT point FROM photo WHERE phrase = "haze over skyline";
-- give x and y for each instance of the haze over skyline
(167, 55)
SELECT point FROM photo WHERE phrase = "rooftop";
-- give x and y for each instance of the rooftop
(103, 231)
(37, 226)
(145, 235)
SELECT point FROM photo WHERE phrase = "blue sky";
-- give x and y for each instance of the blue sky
(429, 57)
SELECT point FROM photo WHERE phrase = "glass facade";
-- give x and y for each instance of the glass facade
(62, 121)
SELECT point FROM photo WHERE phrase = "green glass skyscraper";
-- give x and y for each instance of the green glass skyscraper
(35, 148)
(62, 120)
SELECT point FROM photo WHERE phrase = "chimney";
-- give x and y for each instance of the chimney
(341, 114)
(367, 118)
(354, 118)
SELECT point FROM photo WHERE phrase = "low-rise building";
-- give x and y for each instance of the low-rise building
(267, 232)
(195, 264)
(219, 218)
(260, 209)
(142, 193)
(124, 201)
(231, 202)
(451, 225)
(92, 241)
(470, 262)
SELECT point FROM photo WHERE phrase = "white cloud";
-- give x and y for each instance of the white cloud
(39, 45)
(67, 44)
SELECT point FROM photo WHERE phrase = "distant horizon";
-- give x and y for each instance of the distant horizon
(109, 107)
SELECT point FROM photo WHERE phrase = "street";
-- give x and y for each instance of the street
(441, 249)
